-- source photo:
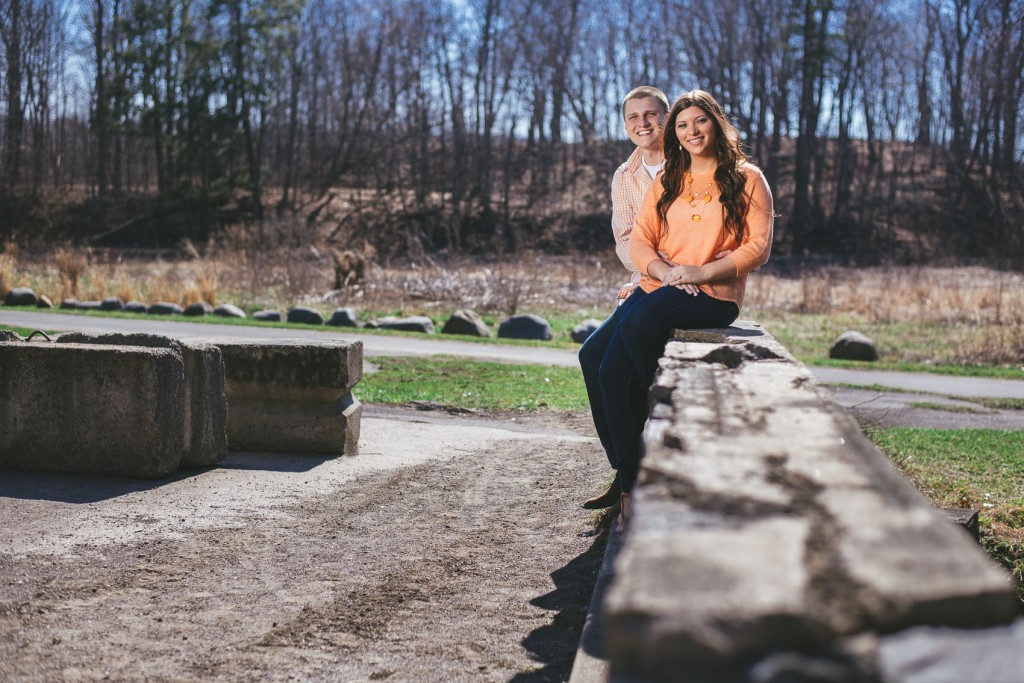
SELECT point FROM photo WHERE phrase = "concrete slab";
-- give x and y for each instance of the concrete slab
(92, 409)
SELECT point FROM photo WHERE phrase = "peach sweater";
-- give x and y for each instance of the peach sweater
(690, 243)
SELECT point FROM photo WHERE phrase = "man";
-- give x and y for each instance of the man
(643, 113)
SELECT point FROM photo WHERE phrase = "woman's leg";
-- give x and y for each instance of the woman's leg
(641, 337)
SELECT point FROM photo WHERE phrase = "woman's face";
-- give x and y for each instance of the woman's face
(696, 132)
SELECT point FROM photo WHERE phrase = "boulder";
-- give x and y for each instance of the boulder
(343, 317)
(229, 311)
(112, 303)
(136, 307)
(305, 316)
(165, 308)
(268, 316)
(21, 296)
(466, 321)
(44, 302)
(853, 346)
(527, 326)
(198, 309)
(69, 304)
(413, 323)
(88, 305)
(581, 332)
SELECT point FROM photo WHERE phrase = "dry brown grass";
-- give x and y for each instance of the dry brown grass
(8, 268)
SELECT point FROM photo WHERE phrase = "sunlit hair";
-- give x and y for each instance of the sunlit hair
(642, 92)
(728, 176)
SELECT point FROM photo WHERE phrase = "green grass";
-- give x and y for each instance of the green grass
(904, 345)
(473, 384)
(946, 407)
(981, 469)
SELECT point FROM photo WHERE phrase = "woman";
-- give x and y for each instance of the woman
(709, 199)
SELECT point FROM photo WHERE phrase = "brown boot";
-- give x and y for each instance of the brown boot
(605, 500)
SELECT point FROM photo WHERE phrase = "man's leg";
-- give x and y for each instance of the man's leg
(591, 355)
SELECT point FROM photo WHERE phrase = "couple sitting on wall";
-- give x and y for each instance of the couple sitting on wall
(691, 218)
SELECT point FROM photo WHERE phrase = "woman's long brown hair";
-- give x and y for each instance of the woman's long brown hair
(728, 176)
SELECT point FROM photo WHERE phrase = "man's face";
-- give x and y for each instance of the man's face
(645, 122)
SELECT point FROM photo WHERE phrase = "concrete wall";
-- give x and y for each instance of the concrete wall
(293, 397)
(91, 409)
(772, 541)
(204, 422)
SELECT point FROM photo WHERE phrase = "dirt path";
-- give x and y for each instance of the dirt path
(458, 558)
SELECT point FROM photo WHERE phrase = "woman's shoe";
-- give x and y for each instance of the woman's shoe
(605, 500)
(625, 511)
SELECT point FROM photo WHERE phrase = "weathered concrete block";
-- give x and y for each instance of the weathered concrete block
(766, 523)
(293, 397)
(204, 422)
(91, 409)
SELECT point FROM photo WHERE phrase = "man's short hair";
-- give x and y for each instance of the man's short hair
(642, 92)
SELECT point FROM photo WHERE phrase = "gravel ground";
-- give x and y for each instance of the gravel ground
(451, 548)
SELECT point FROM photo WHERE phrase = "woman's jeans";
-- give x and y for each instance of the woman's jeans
(620, 358)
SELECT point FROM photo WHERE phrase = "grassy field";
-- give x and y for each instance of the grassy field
(952, 320)
(982, 469)
(473, 384)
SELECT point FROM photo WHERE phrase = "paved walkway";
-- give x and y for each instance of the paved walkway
(387, 345)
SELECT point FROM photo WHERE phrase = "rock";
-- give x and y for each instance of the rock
(343, 317)
(305, 316)
(466, 321)
(268, 316)
(229, 311)
(165, 308)
(136, 307)
(853, 346)
(581, 332)
(70, 304)
(21, 296)
(413, 323)
(199, 308)
(112, 303)
(88, 305)
(9, 336)
(44, 302)
(527, 326)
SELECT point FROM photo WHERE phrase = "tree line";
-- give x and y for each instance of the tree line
(886, 128)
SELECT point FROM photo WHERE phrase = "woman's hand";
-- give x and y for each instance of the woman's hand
(685, 278)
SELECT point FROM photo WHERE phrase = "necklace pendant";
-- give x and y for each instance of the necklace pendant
(695, 217)
(688, 198)
(707, 197)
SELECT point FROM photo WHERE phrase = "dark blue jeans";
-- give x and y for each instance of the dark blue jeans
(620, 358)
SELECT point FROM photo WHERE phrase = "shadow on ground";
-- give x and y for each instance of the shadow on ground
(91, 488)
(555, 644)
